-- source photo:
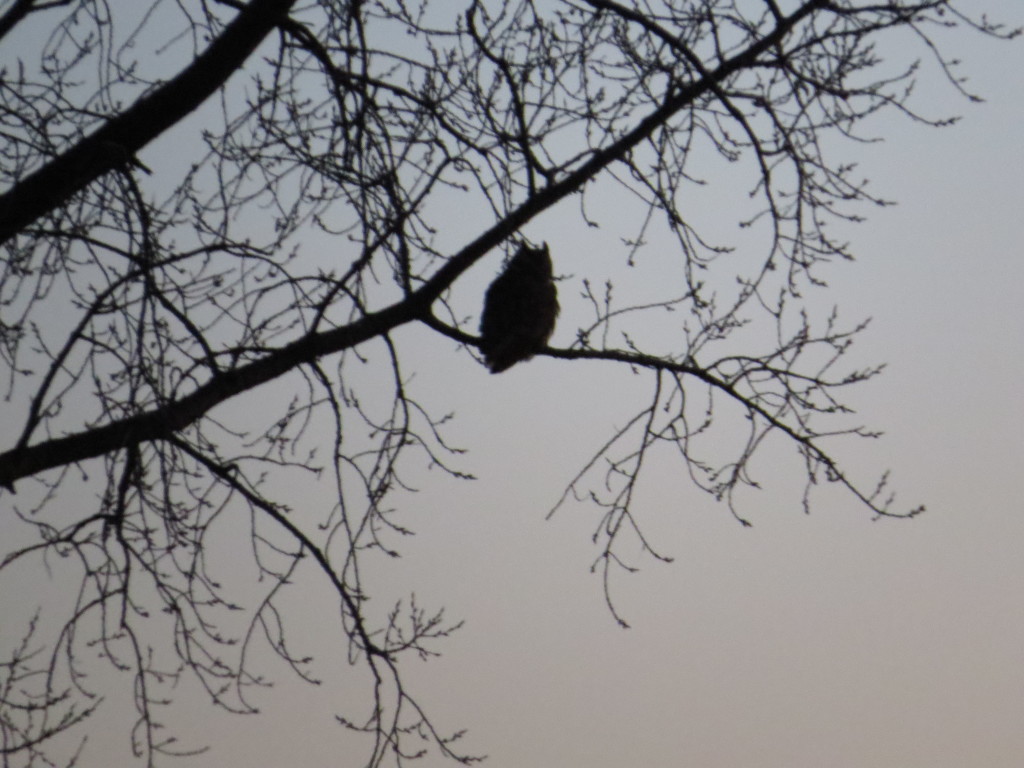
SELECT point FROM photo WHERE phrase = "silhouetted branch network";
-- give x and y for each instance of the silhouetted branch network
(211, 254)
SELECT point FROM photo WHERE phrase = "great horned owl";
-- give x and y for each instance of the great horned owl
(519, 310)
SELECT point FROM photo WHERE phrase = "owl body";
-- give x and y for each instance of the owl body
(519, 310)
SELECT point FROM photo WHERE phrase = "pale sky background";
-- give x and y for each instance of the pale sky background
(804, 641)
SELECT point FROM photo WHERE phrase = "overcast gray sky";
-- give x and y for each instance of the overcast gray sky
(802, 642)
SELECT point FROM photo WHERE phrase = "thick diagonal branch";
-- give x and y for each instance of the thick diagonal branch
(167, 419)
(122, 136)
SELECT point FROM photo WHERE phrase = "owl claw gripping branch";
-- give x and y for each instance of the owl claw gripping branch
(519, 309)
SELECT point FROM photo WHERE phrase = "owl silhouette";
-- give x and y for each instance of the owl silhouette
(519, 309)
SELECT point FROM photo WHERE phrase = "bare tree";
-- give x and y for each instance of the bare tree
(174, 176)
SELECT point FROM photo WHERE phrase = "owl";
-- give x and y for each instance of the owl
(519, 309)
